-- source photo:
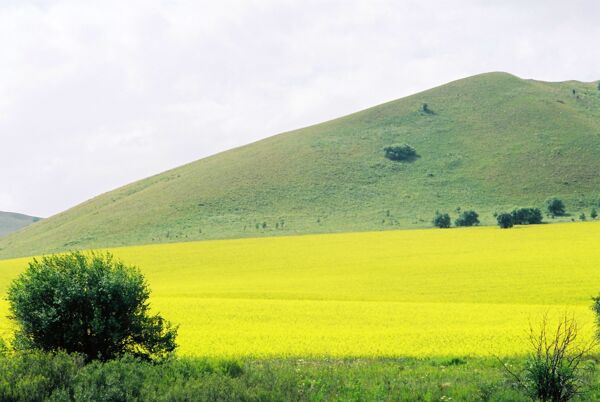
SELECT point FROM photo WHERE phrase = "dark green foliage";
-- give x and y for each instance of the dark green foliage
(593, 213)
(441, 220)
(231, 368)
(555, 207)
(467, 218)
(582, 217)
(526, 216)
(89, 304)
(401, 153)
(505, 220)
(555, 369)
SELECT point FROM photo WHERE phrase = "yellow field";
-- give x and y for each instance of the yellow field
(416, 293)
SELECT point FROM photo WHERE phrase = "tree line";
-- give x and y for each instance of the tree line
(554, 207)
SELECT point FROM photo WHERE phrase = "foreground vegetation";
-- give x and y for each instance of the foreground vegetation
(38, 376)
(463, 292)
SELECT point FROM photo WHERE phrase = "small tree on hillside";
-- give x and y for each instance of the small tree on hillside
(505, 220)
(593, 213)
(401, 153)
(555, 207)
(441, 220)
(526, 216)
(90, 304)
(467, 218)
(425, 109)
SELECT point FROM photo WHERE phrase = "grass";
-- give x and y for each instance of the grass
(493, 142)
(419, 293)
(36, 377)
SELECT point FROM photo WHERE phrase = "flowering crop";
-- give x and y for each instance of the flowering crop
(470, 291)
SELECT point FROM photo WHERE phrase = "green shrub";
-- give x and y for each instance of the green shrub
(402, 153)
(441, 220)
(231, 368)
(582, 217)
(89, 304)
(593, 213)
(505, 220)
(555, 370)
(555, 207)
(467, 218)
(526, 216)
(425, 109)
(38, 376)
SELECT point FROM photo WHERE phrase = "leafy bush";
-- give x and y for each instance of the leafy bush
(38, 376)
(403, 153)
(505, 220)
(593, 213)
(526, 216)
(441, 220)
(582, 217)
(89, 304)
(555, 207)
(468, 218)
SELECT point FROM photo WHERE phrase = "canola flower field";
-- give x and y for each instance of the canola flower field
(457, 292)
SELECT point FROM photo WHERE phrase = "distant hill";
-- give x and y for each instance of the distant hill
(488, 142)
(11, 222)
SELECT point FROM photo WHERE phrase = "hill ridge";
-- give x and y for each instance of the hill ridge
(13, 221)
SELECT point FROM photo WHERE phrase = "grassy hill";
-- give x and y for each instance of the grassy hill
(490, 142)
(11, 222)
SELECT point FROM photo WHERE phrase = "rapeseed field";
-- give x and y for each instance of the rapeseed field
(457, 292)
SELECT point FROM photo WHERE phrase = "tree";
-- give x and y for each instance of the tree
(90, 304)
(582, 217)
(441, 220)
(425, 109)
(555, 207)
(593, 213)
(402, 152)
(505, 220)
(526, 216)
(467, 218)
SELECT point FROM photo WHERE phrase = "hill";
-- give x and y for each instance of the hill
(11, 222)
(488, 142)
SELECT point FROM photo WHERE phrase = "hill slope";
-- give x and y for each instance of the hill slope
(492, 141)
(11, 222)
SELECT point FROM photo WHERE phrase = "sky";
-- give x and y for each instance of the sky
(97, 94)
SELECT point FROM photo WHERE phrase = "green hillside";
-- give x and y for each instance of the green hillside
(489, 142)
(11, 222)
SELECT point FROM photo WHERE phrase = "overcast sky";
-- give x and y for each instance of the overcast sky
(94, 95)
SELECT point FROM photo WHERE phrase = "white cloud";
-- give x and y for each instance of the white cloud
(98, 94)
